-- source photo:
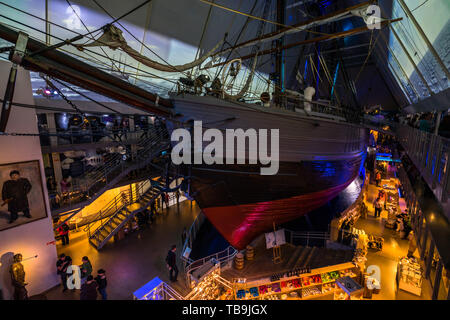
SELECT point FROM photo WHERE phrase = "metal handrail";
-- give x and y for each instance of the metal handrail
(222, 257)
(140, 195)
(306, 235)
(100, 173)
(105, 211)
(148, 149)
(166, 290)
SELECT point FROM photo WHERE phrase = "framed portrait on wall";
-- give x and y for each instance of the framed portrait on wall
(22, 194)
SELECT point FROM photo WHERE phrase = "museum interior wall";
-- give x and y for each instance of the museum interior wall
(29, 236)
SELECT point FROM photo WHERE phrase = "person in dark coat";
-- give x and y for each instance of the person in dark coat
(102, 283)
(171, 261)
(61, 268)
(14, 193)
(89, 289)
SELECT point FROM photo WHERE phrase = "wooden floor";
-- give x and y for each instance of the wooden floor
(292, 257)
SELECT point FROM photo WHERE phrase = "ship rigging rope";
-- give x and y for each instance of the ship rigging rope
(87, 29)
(368, 55)
(61, 39)
(244, 27)
(257, 18)
(328, 75)
(85, 96)
(203, 34)
(96, 53)
(39, 107)
(69, 102)
(124, 15)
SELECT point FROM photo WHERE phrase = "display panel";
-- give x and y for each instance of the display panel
(22, 194)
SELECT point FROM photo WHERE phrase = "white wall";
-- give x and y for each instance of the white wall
(29, 239)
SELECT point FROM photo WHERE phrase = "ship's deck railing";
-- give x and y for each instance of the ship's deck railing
(430, 154)
(307, 238)
(223, 257)
(56, 137)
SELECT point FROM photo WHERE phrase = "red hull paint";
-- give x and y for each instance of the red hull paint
(240, 224)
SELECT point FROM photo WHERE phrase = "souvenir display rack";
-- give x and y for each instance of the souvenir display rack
(318, 283)
(409, 275)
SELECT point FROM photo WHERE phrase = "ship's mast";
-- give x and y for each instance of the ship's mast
(279, 55)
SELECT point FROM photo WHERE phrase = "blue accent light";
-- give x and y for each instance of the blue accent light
(306, 70)
(387, 159)
(384, 155)
(347, 25)
(334, 80)
(324, 3)
(362, 170)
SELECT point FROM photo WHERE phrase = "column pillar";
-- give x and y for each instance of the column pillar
(57, 169)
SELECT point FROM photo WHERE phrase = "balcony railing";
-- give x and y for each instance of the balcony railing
(55, 137)
(430, 154)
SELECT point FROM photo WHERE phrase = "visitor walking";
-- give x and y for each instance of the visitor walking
(89, 289)
(102, 283)
(412, 244)
(378, 207)
(171, 261)
(177, 194)
(61, 268)
(67, 263)
(378, 178)
(153, 211)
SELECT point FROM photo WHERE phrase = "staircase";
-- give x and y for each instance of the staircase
(106, 176)
(117, 220)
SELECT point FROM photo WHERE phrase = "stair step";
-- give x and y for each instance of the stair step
(99, 237)
(104, 233)
(122, 216)
(108, 228)
(115, 222)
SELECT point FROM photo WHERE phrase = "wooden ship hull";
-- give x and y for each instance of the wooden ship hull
(319, 157)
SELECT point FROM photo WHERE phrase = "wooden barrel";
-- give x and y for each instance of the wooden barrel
(249, 253)
(239, 261)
